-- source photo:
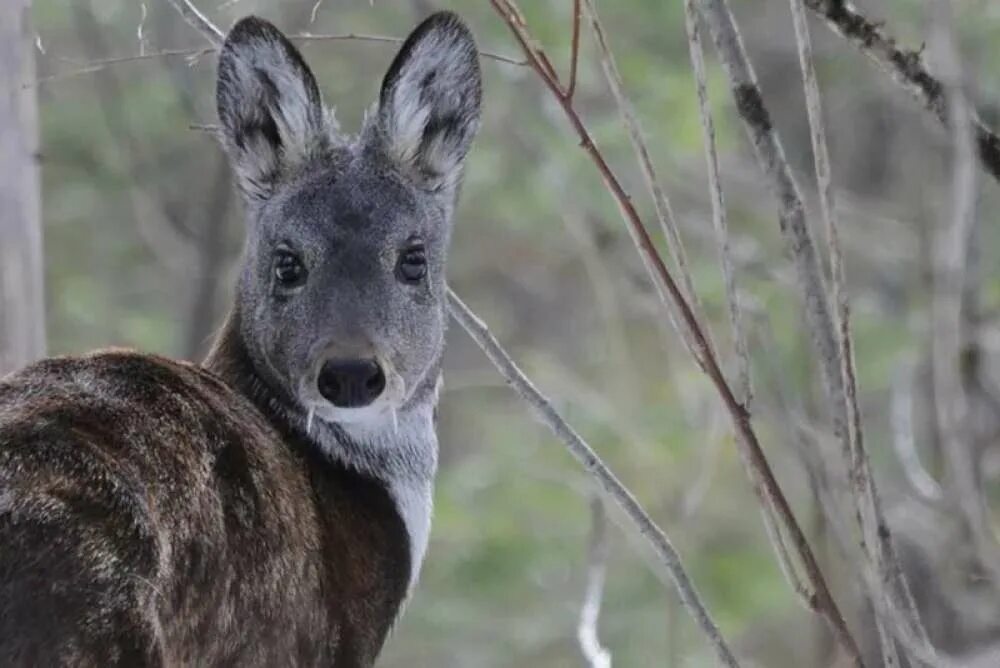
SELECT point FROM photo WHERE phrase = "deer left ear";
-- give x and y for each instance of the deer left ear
(430, 102)
(269, 106)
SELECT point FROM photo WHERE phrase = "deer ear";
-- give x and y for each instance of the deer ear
(430, 102)
(269, 105)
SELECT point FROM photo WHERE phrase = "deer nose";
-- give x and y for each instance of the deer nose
(351, 383)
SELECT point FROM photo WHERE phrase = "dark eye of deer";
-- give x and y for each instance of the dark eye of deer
(413, 264)
(288, 270)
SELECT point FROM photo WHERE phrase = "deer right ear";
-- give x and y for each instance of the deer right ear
(430, 102)
(269, 105)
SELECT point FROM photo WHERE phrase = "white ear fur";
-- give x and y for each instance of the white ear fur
(430, 102)
(269, 106)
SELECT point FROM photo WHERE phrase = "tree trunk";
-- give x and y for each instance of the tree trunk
(22, 312)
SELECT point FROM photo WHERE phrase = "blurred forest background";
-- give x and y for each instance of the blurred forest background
(142, 230)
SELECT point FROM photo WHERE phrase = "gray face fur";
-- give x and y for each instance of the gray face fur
(350, 219)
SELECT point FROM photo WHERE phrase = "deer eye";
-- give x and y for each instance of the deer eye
(412, 264)
(289, 272)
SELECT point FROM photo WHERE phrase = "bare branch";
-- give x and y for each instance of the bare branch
(764, 483)
(198, 21)
(98, 65)
(661, 203)
(744, 387)
(140, 30)
(906, 68)
(885, 608)
(787, 565)
(313, 12)
(574, 54)
(952, 239)
(923, 483)
(319, 37)
(771, 159)
(597, 557)
(592, 464)
(193, 54)
(669, 292)
(827, 337)
(867, 504)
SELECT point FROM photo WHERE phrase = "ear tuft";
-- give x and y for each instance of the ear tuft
(430, 101)
(269, 106)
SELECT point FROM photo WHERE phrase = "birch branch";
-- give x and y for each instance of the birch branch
(719, 219)
(907, 69)
(768, 512)
(593, 465)
(596, 655)
(794, 226)
(876, 543)
(772, 525)
(923, 483)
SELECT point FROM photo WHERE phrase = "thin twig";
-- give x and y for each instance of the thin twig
(592, 464)
(698, 489)
(97, 65)
(197, 20)
(596, 655)
(826, 335)
(100, 64)
(764, 483)
(794, 225)
(775, 536)
(574, 54)
(806, 441)
(315, 9)
(320, 37)
(140, 34)
(720, 224)
(884, 606)
(667, 289)
(953, 235)
(906, 68)
(661, 203)
(876, 543)
(771, 159)
(923, 483)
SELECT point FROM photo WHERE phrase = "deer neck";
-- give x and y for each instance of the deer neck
(400, 452)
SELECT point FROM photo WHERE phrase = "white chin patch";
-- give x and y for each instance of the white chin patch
(378, 413)
(378, 416)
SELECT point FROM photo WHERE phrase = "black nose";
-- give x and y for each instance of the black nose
(351, 383)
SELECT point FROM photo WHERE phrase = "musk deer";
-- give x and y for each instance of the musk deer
(271, 506)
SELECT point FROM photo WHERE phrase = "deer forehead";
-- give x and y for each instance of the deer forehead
(359, 200)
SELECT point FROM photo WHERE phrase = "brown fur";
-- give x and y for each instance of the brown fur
(151, 515)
